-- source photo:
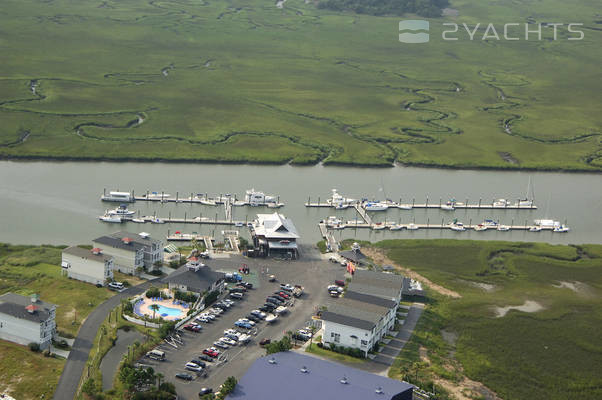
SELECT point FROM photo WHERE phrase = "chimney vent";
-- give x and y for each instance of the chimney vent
(272, 360)
(344, 381)
(379, 390)
(304, 369)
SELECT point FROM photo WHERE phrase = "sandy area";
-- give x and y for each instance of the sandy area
(580, 288)
(379, 256)
(529, 306)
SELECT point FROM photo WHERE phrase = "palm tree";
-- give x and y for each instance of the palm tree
(312, 329)
(159, 376)
(155, 308)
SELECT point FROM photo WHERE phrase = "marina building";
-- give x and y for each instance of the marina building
(380, 284)
(195, 277)
(274, 234)
(25, 320)
(358, 320)
(153, 248)
(128, 255)
(293, 376)
(85, 265)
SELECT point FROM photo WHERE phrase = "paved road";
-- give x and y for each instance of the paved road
(74, 367)
(110, 362)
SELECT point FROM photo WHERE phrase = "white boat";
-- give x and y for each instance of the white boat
(239, 224)
(412, 227)
(396, 227)
(271, 318)
(404, 206)
(207, 202)
(157, 195)
(337, 199)
(375, 206)
(489, 222)
(525, 203)
(341, 206)
(274, 205)
(457, 226)
(378, 226)
(480, 227)
(110, 218)
(332, 221)
(562, 228)
(547, 223)
(139, 220)
(121, 197)
(339, 226)
(535, 229)
(121, 211)
(501, 203)
(503, 228)
(156, 220)
(448, 207)
(254, 197)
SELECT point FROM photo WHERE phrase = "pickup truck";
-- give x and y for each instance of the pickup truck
(244, 338)
(298, 290)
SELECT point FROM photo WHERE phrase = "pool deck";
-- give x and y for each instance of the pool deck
(144, 308)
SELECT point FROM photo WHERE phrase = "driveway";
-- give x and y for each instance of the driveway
(390, 351)
(78, 356)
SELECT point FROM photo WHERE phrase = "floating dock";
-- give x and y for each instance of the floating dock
(324, 229)
(459, 206)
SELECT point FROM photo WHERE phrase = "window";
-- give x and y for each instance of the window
(336, 337)
(364, 343)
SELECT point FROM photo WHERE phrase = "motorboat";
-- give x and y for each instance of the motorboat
(121, 211)
(457, 226)
(156, 220)
(412, 227)
(332, 221)
(338, 226)
(341, 206)
(489, 222)
(535, 228)
(139, 220)
(337, 199)
(255, 197)
(121, 197)
(547, 223)
(110, 218)
(157, 195)
(503, 228)
(404, 206)
(378, 226)
(501, 203)
(375, 206)
(480, 227)
(396, 227)
(525, 203)
(207, 202)
(449, 206)
(562, 228)
(274, 205)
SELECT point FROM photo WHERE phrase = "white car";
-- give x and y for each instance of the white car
(228, 341)
(233, 332)
(202, 319)
(193, 367)
(287, 287)
(217, 311)
(207, 315)
(248, 321)
(220, 344)
(116, 286)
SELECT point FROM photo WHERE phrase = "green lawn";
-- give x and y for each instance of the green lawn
(224, 81)
(553, 353)
(36, 269)
(331, 354)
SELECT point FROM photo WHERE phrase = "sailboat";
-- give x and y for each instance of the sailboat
(526, 202)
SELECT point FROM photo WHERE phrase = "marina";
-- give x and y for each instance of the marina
(499, 204)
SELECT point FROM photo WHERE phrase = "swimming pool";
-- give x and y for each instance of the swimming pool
(169, 312)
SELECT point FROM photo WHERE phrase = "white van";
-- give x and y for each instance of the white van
(116, 286)
(156, 355)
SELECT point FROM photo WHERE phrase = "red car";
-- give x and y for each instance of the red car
(339, 283)
(192, 328)
(264, 342)
(283, 295)
(210, 353)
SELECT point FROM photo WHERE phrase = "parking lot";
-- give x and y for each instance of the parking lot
(311, 272)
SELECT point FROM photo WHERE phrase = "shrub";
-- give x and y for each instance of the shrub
(33, 346)
(153, 292)
(211, 297)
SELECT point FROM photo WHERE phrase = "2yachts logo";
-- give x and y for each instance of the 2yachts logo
(509, 32)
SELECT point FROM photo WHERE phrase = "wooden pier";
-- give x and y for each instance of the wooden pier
(333, 245)
(324, 230)
(437, 205)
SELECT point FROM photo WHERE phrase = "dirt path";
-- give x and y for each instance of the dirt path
(379, 256)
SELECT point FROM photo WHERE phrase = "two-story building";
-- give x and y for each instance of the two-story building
(128, 256)
(274, 234)
(197, 278)
(87, 265)
(358, 321)
(381, 284)
(153, 248)
(25, 320)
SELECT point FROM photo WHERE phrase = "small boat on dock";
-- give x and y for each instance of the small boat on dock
(257, 198)
(412, 227)
(480, 227)
(156, 220)
(396, 227)
(457, 226)
(207, 202)
(156, 195)
(503, 228)
(561, 229)
(378, 226)
(404, 206)
(535, 228)
(336, 200)
(333, 221)
(110, 218)
(121, 211)
(375, 206)
(138, 220)
(121, 197)
(501, 203)
(449, 206)
(489, 223)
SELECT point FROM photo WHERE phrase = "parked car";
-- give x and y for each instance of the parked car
(252, 318)
(215, 311)
(220, 344)
(211, 353)
(199, 362)
(266, 308)
(248, 321)
(205, 357)
(237, 296)
(258, 314)
(205, 391)
(207, 315)
(264, 342)
(339, 282)
(233, 332)
(276, 300)
(184, 376)
(116, 286)
(242, 324)
(193, 328)
(272, 278)
(228, 341)
(193, 367)
(287, 287)
(269, 306)
(246, 284)
(238, 289)
(283, 295)
(202, 319)
(334, 293)
(231, 336)
(222, 306)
